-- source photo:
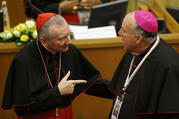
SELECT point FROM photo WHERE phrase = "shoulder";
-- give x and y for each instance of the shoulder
(26, 52)
(164, 55)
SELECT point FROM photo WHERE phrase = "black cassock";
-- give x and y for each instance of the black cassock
(154, 90)
(28, 88)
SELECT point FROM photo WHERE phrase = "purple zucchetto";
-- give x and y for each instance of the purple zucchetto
(146, 20)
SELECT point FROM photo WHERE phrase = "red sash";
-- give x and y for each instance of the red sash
(71, 18)
(63, 113)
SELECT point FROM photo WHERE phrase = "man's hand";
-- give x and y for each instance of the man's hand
(88, 4)
(69, 6)
(66, 87)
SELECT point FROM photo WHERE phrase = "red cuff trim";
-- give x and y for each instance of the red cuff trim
(24, 104)
(88, 87)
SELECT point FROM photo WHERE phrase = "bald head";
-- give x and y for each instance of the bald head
(129, 21)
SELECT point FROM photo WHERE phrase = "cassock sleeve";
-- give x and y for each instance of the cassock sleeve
(101, 89)
(82, 69)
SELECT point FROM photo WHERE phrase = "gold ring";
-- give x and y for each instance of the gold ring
(75, 7)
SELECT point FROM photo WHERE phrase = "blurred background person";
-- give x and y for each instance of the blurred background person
(67, 8)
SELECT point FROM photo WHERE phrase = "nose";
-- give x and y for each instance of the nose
(68, 41)
(120, 32)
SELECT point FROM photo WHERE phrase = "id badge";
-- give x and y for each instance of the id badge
(117, 107)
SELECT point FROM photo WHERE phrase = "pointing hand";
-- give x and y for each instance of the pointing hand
(66, 87)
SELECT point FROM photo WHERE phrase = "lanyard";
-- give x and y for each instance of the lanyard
(129, 78)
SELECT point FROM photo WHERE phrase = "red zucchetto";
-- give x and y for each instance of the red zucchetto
(42, 19)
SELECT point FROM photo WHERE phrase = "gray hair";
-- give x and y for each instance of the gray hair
(148, 36)
(44, 31)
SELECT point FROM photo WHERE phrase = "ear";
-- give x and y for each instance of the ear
(139, 39)
(43, 41)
